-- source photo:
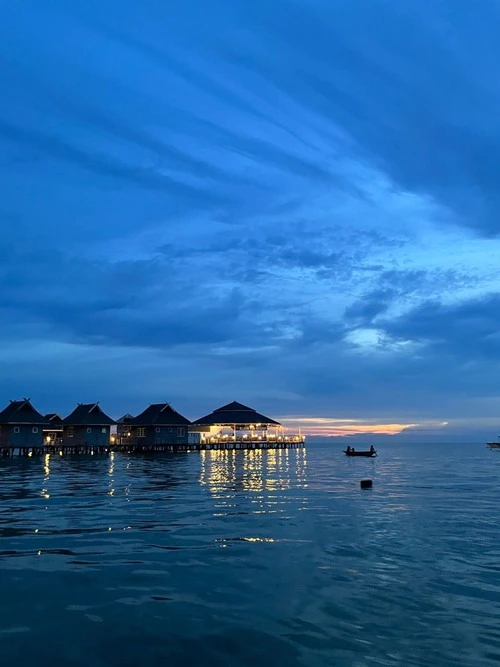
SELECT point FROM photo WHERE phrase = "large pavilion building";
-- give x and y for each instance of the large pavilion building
(237, 423)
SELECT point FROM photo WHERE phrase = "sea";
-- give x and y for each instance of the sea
(252, 558)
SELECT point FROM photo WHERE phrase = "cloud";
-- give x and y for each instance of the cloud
(310, 227)
(465, 330)
(128, 303)
(329, 428)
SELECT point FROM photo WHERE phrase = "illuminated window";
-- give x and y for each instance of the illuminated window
(103, 430)
(141, 432)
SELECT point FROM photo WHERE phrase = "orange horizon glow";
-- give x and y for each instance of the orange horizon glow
(321, 426)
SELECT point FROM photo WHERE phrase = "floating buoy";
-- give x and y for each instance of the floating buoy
(366, 484)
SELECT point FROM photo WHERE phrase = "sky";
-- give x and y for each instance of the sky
(289, 203)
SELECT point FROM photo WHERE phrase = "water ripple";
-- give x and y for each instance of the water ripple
(248, 557)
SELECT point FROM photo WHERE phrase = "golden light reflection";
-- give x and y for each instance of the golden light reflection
(218, 470)
(253, 470)
(111, 472)
(111, 460)
(328, 427)
(258, 539)
(301, 468)
(46, 476)
(277, 469)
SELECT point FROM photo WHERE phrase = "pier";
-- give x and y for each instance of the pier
(56, 450)
(87, 430)
(132, 448)
(204, 446)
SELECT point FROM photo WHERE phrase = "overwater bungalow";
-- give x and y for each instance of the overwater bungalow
(237, 423)
(122, 428)
(87, 425)
(53, 430)
(21, 425)
(159, 424)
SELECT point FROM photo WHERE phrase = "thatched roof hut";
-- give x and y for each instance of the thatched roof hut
(236, 414)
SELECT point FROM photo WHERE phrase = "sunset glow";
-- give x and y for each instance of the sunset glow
(322, 426)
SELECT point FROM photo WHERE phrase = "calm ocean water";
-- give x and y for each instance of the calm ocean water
(252, 558)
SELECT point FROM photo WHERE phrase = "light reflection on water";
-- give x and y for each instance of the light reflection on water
(247, 557)
(252, 470)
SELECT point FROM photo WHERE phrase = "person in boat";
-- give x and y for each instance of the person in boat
(372, 449)
(348, 450)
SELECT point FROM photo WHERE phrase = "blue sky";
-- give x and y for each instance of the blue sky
(290, 203)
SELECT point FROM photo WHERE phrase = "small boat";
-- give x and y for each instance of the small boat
(493, 445)
(352, 452)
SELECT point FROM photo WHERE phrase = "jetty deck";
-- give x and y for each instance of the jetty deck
(129, 448)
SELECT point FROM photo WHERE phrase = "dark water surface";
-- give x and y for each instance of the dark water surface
(252, 558)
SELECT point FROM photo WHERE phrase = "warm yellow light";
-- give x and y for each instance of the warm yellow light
(258, 539)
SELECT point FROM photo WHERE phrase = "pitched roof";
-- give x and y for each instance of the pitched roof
(53, 417)
(235, 413)
(88, 414)
(54, 422)
(125, 419)
(160, 413)
(21, 412)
